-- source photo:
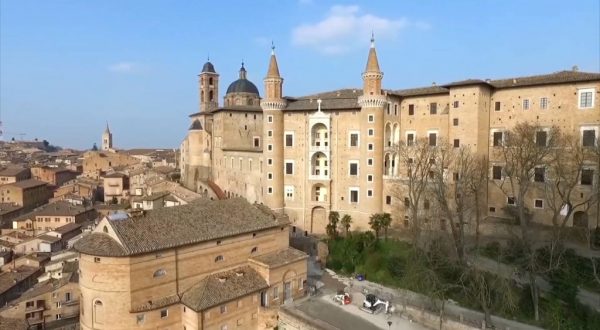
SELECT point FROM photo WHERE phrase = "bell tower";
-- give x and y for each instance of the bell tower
(273, 105)
(107, 143)
(209, 88)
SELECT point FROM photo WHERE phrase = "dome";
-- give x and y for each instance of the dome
(242, 86)
(208, 67)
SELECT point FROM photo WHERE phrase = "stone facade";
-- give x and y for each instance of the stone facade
(336, 151)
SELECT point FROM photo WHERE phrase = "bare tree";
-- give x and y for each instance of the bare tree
(415, 158)
(524, 149)
(457, 186)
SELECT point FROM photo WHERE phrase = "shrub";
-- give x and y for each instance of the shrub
(492, 250)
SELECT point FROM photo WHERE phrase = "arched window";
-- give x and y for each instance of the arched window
(320, 135)
(210, 80)
(160, 273)
(105, 229)
(254, 250)
(211, 96)
(98, 312)
(219, 258)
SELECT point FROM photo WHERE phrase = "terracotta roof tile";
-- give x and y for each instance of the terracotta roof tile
(280, 258)
(201, 220)
(222, 287)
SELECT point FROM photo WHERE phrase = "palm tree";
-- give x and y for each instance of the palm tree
(375, 223)
(334, 219)
(386, 222)
(346, 222)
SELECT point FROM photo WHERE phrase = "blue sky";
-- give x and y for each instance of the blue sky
(68, 67)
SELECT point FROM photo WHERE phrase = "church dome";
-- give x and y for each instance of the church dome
(242, 85)
(208, 67)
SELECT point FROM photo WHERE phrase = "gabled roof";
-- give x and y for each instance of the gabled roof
(199, 221)
(222, 287)
(560, 77)
(13, 171)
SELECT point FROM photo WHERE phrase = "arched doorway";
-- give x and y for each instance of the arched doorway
(580, 219)
(318, 219)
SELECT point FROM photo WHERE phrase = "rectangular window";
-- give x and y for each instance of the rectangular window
(371, 132)
(353, 195)
(526, 104)
(586, 98)
(289, 167)
(406, 202)
(270, 190)
(541, 138)
(497, 172)
(456, 143)
(269, 133)
(588, 138)
(369, 193)
(395, 109)
(539, 174)
(455, 104)
(388, 200)
(354, 139)
(432, 108)
(223, 309)
(270, 119)
(426, 204)
(370, 178)
(587, 176)
(497, 106)
(370, 161)
(289, 139)
(432, 139)
(164, 313)
(538, 203)
(269, 161)
(455, 176)
(256, 142)
(498, 139)
(353, 167)
(289, 192)
(544, 103)
(411, 109)
(276, 293)
(410, 139)
(269, 147)
(270, 176)
(371, 118)
(510, 201)
(455, 121)
(370, 146)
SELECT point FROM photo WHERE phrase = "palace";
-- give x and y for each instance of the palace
(335, 151)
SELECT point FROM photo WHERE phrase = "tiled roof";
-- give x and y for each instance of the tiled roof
(12, 171)
(552, 78)
(13, 324)
(48, 238)
(67, 228)
(220, 288)
(61, 208)
(164, 228)
(8, 208)
(99, 244)
(421, 91)
(157, 303)
(9, 279)
(280, 258)
(29, 183)
(114, 175)
(343, 99)
(151, 197)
